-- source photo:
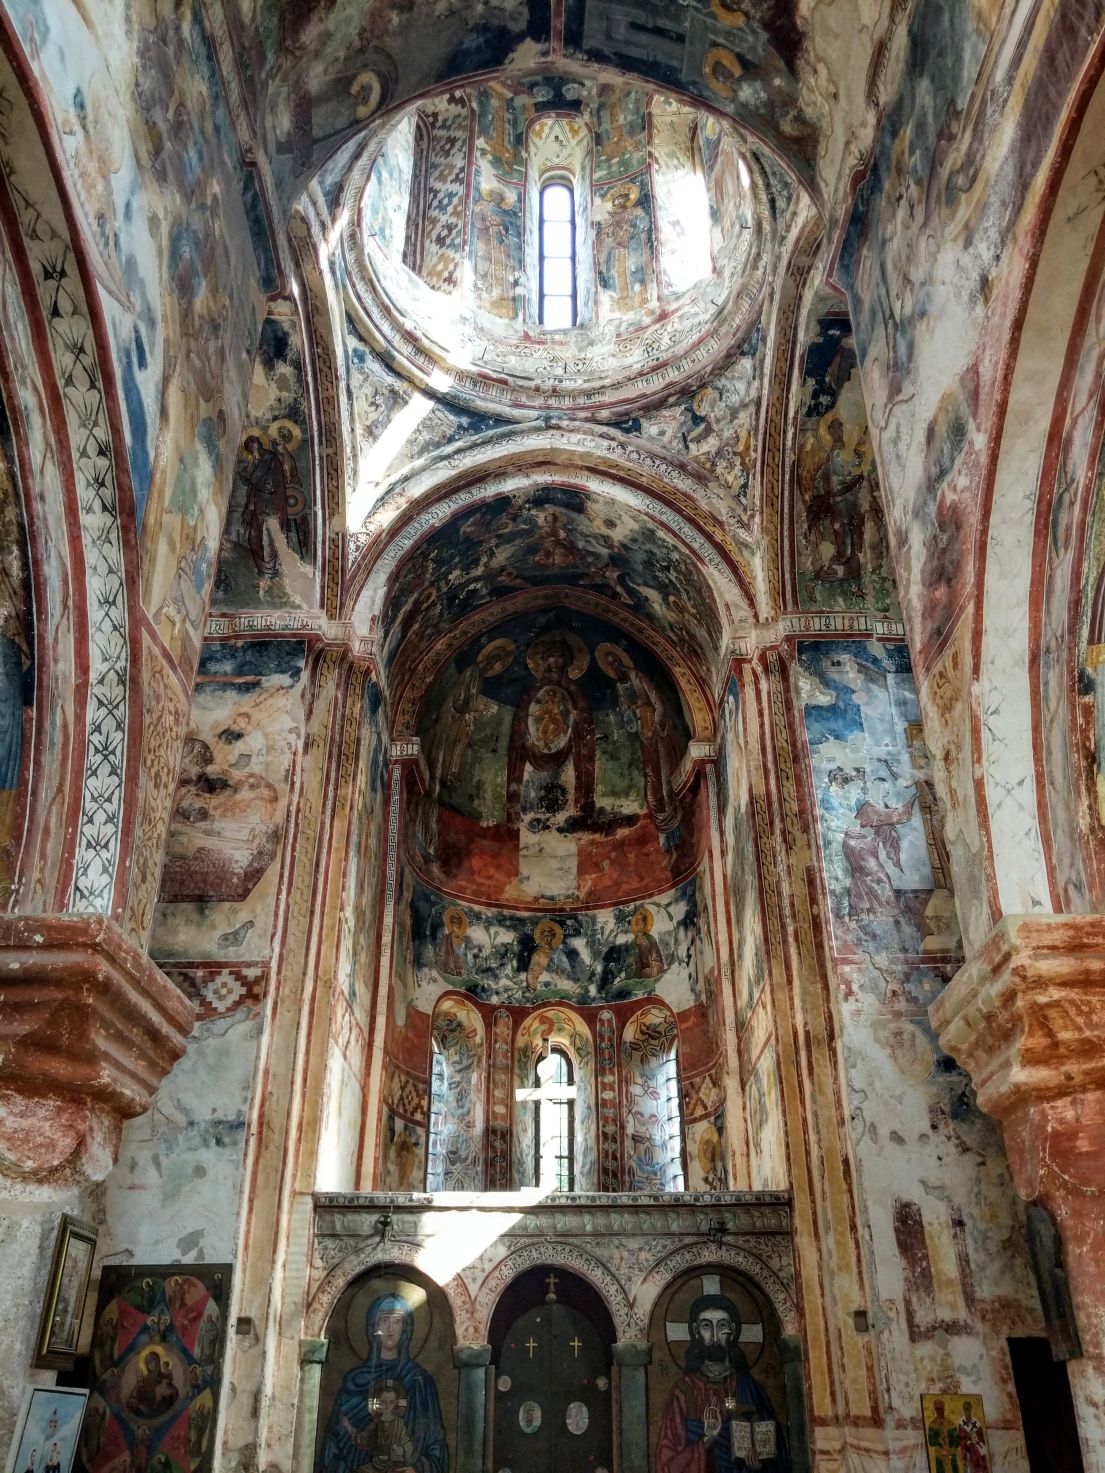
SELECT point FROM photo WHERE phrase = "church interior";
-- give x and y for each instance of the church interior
(552, 736)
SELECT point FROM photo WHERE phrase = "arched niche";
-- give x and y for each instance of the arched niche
(717, 1365)
(563, 1029)
(389, 1375)
(458, 1072)
(655, 1144)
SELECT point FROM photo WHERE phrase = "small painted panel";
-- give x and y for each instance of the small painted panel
(955, 1433)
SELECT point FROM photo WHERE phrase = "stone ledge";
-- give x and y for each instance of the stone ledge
(89, 1027)
(1023, 1015)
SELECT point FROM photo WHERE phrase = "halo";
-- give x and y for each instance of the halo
(248, 433)
(630, 192)
(580, 656)
(297, 502)
(698, 402)
(379, 1387)
(557, 930)
(749, 1308)
(455, 910)
(709, 1149)
(603, 658)
(495, 657)
(374, 1287)
(823, 426)
(287, 424)
(643, 910)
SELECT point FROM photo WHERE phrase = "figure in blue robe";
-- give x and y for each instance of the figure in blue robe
(390, 1325)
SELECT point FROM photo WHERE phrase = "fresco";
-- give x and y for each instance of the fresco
(556, 535)
(1091, 673)
(741, 854)
(880, 822)
(747, 1403)
(269, 539)
(653, 1107)
(388, 1396)
(17, 675)
(179, 251)
(843, 558)
(218, 887)
(458, 1081)
(156, 1360)
(660, 947)
(566, 1030)
(364, 863)
(552, 744)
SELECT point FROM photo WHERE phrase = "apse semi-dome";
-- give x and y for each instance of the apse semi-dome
(556, 243)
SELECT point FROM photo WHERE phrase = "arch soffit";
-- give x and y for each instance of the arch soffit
(703, 1255)
(412, 686)
(382, 1255)
(552, 1254)
(660, 486)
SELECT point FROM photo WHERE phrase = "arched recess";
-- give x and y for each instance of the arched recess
(1033, 792)
(699, 1256)
(377, 1255)
(59, 393)
(455, 1134)
(655, 1142)
(553, 1254)
(563, 1029)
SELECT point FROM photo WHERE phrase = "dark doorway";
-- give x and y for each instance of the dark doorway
(1047, 1408)
(551, 1336)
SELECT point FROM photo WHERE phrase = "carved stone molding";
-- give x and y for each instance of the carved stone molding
(89, 1027)
(1023, 1016)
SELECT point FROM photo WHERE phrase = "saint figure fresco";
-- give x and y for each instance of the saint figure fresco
(643, 712)
(387, 1415)
(266, 504)
(717, 1417)
(625, 248)
(492, 252)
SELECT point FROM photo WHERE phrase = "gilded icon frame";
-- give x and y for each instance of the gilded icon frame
(59, 1324)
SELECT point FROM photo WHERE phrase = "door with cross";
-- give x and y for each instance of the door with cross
(553, 1393)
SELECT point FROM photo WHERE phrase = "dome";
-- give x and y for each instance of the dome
(556, 243)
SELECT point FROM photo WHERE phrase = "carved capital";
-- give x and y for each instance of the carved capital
(1023, 1015)
(89, 1027)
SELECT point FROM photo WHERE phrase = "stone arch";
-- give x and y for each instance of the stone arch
(466, 1326)
(680, 1260)
(554, 1254)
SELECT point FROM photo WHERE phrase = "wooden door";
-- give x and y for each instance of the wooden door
(553, 1395)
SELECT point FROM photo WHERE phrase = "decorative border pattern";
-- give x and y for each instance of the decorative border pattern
(498, 1134)
(76, 366)
(606, 1055)
(219, 988)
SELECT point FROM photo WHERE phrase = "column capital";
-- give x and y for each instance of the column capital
(1023, 1015)
(91, 1027)
(631, 1352)
(313, 1352)
(471, 1355)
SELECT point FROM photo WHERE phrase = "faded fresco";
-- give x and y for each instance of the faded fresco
(551, 537)
(17, 674)
(653, 1107)
(553, 743)
(388, 1397)
(716, 1365)
(458, 1081)
(156, 1364)
(1091, 674)
(741, 854)
(218, 887)
(658, 947)
(882, 836)
(269, 539)
(841, 549)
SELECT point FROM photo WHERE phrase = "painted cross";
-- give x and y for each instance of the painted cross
(577, 1346)
(531, 1346)
(552, 1282)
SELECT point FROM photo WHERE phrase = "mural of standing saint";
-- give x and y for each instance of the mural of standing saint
(388, 1406)
(643, 712)
(626, 254)
(717, 1417)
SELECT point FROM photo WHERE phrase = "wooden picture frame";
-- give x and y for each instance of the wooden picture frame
(47, 1431)
(59, 1324)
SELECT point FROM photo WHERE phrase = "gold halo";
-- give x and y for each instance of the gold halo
(455, 910)
(580, 656)
(709, 1149)
(286, 424)
(373, 1287)
(700, 399)
(495, 657)
(823, 427)
(603, 654)
(650, 919)
(630, 192)
(249, 433)
(549, 925)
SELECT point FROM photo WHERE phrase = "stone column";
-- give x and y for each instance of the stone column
(1025, 1017)
(312, 1356)
(631, 1357)
(472, 1362)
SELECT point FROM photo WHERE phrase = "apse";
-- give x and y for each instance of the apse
(556, 241)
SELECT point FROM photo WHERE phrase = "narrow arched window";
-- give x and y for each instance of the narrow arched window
(557, 288)
(554, 1122)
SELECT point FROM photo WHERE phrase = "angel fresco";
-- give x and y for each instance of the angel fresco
(643, 712)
